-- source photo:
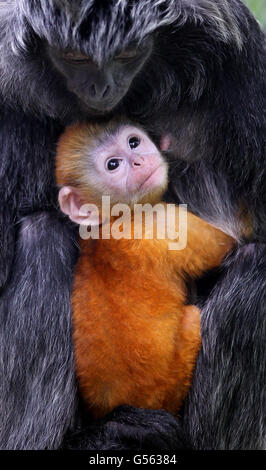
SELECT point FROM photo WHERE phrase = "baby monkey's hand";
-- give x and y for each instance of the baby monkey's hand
(165, 142)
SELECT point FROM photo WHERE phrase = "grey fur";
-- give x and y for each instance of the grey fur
(203, 84)
(33, 343)
(230, 406)
(18, 65)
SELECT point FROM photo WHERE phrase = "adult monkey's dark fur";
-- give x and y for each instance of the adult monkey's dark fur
(204, 83)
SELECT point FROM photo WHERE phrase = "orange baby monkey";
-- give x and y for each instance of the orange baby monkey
(136, 340)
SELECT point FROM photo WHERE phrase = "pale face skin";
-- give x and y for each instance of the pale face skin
(127, 166)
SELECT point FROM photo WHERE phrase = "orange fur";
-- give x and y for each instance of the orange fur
(136, 341)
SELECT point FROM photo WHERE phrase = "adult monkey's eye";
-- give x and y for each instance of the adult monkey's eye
(75, 57)
(133, 142)
(126, 55)
(113, 164)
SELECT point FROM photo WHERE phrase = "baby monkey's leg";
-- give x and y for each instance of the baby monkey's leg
(187, 348)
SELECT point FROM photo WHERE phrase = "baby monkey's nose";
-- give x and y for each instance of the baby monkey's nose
(138, 161)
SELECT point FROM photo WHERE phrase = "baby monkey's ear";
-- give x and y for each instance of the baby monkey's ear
(72, 204)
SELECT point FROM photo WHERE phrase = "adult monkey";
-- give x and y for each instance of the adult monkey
(190, 68)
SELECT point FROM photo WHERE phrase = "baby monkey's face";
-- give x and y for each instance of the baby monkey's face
(119, 161)
(129, 166)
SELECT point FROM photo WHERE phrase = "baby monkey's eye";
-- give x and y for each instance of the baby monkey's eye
(113, 163)
(133, 141)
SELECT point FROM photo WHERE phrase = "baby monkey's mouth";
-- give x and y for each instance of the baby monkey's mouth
(154, 179)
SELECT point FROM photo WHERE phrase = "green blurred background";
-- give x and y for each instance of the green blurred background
(258, 8)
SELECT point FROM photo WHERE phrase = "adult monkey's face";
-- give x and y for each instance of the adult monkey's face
(84, 58)
(100, 87)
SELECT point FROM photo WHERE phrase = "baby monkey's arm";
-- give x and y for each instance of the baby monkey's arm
(204, 245)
